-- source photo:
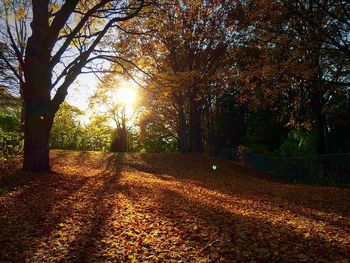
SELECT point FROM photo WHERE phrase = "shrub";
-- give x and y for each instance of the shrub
(298, 143)
(11, 143)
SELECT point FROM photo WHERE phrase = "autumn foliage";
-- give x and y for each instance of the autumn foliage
(104, 207)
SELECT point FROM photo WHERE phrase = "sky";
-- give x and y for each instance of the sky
(81, 90)
(79, 93)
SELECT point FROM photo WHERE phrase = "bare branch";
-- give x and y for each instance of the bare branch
(14, 71)
(15, 48)
(82, 60)
(75, 31)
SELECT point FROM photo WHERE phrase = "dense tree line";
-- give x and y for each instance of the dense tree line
(272, 76)
(264, 74)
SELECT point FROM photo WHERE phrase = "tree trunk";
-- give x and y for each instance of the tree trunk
(39, 111)
(195, 132)
(209, 120)
(320, 122)
(182, 145)
(36, 143)
(120, 142)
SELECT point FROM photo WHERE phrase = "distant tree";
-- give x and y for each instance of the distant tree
(10, 124)
(97, 135)
(14, 34)
(7, 100)
(266, 131)
(330, 19)
(66, 129)
(155, 135)
(105, 101)
(225, 120)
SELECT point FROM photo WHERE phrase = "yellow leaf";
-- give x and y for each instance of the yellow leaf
(132, 259)
(114, 244)
(307, 235)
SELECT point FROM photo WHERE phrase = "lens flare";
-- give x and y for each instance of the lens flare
(126, 96)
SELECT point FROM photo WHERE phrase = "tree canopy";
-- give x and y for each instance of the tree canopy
(267, 76)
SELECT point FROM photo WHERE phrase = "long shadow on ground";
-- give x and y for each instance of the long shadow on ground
(232, 178)
(58, 209)
(103, 207)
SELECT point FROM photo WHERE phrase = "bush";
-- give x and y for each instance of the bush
(11, 140)
(11, 143)
(298, 143)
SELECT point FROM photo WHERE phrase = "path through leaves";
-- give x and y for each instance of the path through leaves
(103, 207)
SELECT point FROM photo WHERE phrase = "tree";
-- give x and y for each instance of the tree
(10, 123)
(225, 120)
(64, 40)
(97, 135)
(14, 34)
(157, 130)
(181, 56)
(8, 81)
(332, 29)
(290, 63)
(107, 101)
(66, 129)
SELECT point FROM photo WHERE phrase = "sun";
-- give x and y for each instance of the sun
(126, 96)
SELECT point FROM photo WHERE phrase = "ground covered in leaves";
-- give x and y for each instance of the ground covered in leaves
(103, 207)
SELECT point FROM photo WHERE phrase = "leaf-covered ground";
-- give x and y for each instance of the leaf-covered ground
(103, 207)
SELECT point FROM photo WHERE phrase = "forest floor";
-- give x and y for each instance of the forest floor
(104, 207)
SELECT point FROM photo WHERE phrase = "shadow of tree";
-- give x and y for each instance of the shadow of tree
(222, 235)
(232, 178)
(26, 214)
(103, 207)
(99, 205)
(47, 205)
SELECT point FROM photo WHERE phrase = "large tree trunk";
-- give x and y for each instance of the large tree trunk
(36, 142)
(38, 66)
(39, 111)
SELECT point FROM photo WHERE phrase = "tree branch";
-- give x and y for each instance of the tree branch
(15, 48)
(82, 60)
(56, 58)
(60, 20)
(11, 67)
